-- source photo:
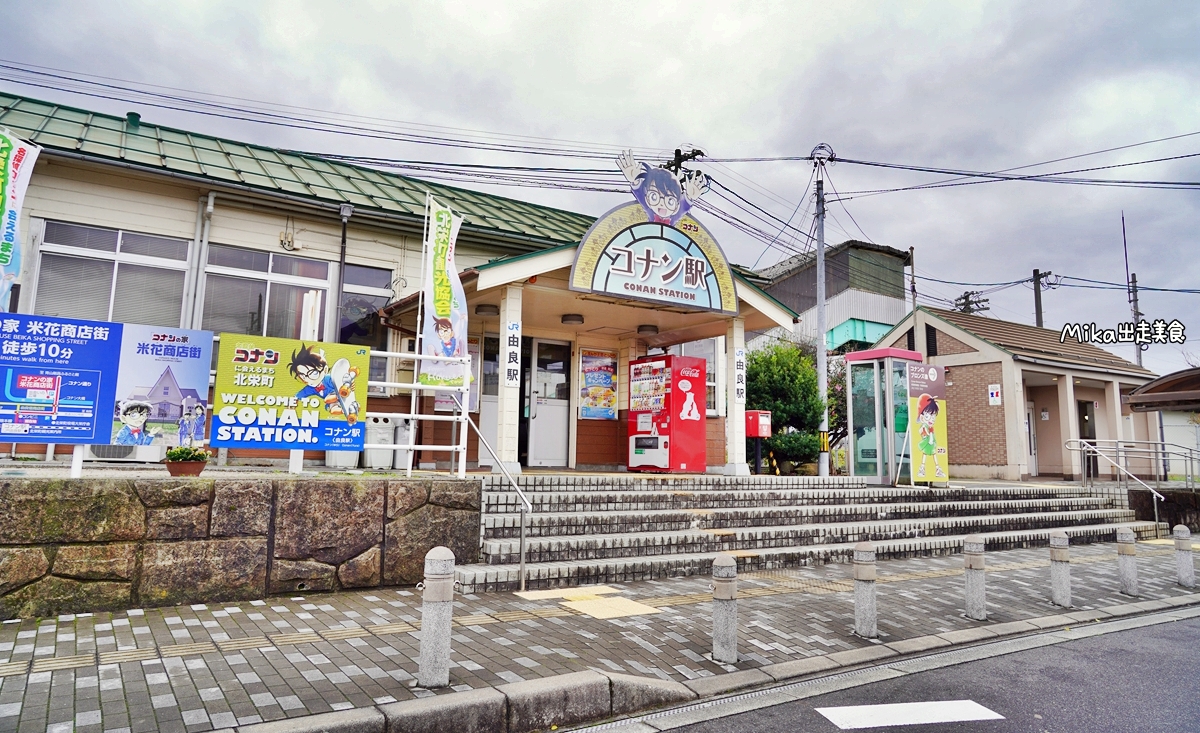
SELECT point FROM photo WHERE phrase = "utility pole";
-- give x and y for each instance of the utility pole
(972, 301)
(1038, 276)
(912, 275)
(820, 155)
(680, 158)
(1131, 288)
(1137, 314)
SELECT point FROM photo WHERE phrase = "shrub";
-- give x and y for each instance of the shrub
(187, 453)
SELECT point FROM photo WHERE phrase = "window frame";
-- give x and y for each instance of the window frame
(388, 293)
(117, 258)
(327, 285)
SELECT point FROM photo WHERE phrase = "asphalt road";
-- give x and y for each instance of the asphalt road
(1134, 681)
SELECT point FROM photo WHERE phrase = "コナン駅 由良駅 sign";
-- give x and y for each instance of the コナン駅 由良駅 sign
(651, 249)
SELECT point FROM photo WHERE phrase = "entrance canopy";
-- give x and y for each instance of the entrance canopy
(531, 405)
(1176, 391)
(544, 278)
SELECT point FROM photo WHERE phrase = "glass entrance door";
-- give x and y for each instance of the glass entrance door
(549, 403)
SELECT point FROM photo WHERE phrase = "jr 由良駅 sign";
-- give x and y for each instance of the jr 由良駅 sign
(652, 249)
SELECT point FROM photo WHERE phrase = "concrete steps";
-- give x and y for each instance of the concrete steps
(553, 524)
(636, 544)
(570, 573)
(616, 528)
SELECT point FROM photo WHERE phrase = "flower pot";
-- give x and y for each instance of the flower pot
(185, 468)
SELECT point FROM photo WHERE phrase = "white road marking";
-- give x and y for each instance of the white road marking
(853, 717)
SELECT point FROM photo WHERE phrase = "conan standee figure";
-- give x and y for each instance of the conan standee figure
(134, 414)
(665, 197)
(927, 412)
(335, 386)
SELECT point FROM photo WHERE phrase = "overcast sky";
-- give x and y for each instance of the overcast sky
(979, 86)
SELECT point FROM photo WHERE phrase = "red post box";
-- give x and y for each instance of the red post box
(758, 423)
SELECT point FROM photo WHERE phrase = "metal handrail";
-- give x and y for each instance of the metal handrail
(526, 505)
(1086, 448)
(1155, 451)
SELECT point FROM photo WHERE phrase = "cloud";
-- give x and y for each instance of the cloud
(982, 86)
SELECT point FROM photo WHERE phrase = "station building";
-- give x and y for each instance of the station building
(133, 222)
(1051, 391)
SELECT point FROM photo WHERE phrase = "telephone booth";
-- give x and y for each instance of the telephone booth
(877, 414)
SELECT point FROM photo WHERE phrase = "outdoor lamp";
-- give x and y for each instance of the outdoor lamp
(487, 309)
(573, 319)
(647, 329)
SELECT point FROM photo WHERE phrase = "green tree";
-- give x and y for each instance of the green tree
(837, 400)
(782, 379)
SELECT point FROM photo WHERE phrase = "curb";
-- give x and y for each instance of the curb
(592, 696)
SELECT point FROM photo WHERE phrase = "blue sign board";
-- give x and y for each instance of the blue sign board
(59, 377)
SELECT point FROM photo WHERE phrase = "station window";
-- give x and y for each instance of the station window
(707, 349)
(255, 292)
(367, 289)
(110, 275)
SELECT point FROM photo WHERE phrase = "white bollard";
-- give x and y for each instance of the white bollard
(1060, 569)
(437, 607)
(976, 593)
(865, 611)
(1127, 561)
(1183, 556)
(724, 585)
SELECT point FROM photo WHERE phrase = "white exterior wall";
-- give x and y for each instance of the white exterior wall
(86, 194)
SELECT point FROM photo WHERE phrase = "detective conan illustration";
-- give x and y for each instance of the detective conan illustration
(335, 385)
(665, 196)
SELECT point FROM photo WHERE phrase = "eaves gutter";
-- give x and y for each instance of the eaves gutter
(408, 222)
(1081, 367)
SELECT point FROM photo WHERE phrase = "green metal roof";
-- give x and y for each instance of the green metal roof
(152, 147)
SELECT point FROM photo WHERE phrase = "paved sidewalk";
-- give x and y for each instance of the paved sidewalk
(196, 668)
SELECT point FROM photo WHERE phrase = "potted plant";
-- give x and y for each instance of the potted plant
(185, 460)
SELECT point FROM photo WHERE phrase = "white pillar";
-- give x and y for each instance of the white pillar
(508, 402)
(1112, 400)
(735, 400)
(1068, 424)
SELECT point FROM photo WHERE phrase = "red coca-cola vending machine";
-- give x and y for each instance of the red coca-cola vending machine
(666, 414)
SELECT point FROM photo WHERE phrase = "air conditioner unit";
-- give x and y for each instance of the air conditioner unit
(126, 453)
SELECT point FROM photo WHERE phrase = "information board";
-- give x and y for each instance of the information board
(59, 377)
(162, 386)
(286, 394)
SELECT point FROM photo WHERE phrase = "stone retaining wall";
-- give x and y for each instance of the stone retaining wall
(1181, 507)
(78, 545)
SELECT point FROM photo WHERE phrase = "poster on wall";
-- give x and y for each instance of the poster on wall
(444, 331)
(598, 390)
(162, 386)
(288, 394)
(16, 167)
(59, 377)
(927, 411)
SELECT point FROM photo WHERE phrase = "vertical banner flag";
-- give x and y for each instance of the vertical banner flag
(16, 167)
(598, 395)
(288, 394)
(59, 378)
(927, 413)
(162, 386)
(444, 331)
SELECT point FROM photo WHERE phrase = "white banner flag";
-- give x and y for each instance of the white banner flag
(16, 167)
(444, 331)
